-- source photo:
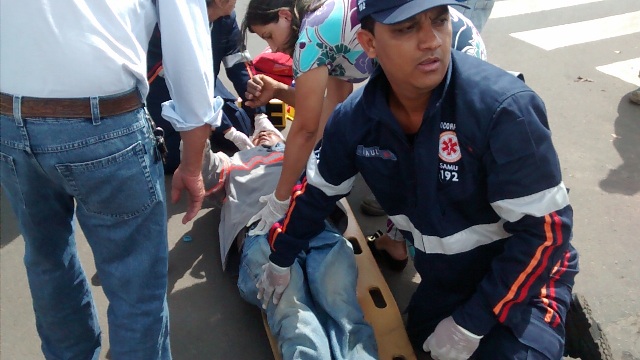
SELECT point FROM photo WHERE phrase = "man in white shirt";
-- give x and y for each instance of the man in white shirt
(76, 143)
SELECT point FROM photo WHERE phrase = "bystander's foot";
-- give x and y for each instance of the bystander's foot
(392, 252)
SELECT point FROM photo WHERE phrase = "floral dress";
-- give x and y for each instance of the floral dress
(328, 38)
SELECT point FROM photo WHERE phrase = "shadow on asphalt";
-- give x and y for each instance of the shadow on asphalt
(209, 319)
(625, 179)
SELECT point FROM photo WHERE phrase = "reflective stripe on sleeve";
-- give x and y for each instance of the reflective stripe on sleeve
(462, 241)
(315, 178)
(537, 205)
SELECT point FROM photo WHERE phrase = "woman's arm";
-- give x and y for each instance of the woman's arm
(312, 111)
(309, 99)
(337, 92)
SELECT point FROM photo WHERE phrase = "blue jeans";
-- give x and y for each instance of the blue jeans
(105, 173)
(478, 12)
(318, 316)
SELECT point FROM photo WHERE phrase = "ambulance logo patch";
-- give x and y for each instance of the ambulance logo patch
(449, 148)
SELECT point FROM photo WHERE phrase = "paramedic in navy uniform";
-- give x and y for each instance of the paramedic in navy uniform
(459, 154)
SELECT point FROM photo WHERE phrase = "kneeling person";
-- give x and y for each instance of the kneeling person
(460, 156)
(310, 319)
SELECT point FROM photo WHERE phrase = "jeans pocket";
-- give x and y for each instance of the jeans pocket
(9, 178)
(117, 186)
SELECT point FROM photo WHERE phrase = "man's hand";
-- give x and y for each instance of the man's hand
(449, 341)
(273, 211)
(188, 175)
(261, 89)
(194, 185)
(273, 282)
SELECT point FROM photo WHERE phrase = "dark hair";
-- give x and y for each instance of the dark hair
(368, 23)
(264, 12)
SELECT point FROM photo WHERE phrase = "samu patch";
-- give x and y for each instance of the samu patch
(449, 147)
(449, 153)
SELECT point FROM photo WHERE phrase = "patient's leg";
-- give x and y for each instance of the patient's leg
(332, 277)
(293, 321)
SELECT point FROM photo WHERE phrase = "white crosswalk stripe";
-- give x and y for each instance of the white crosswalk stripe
(628, 70)
(521, 7)
(576, 33)
(582, 32)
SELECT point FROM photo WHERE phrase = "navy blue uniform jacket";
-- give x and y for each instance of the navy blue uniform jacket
(478, 190)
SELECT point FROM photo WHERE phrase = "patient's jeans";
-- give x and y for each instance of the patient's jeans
(105, 172)
(318, 316)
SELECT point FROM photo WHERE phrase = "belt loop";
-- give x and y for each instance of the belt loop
(17, 110)
(95, 110)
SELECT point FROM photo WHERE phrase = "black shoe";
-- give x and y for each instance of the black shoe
(584, 337)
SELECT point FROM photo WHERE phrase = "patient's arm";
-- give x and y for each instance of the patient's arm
(215, 171)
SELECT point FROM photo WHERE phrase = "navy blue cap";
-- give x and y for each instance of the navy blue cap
(395, 11)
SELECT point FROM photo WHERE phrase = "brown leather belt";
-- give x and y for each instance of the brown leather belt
(72, 108)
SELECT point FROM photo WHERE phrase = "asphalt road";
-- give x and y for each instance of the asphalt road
(597, 134)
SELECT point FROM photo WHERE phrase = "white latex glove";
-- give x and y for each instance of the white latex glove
(273, 211)
(238, 138)
(273, 282)
(449, 341)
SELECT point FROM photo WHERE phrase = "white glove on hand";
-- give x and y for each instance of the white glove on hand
(239, 139)
(273, 282)
(449, 341)
(273, 211)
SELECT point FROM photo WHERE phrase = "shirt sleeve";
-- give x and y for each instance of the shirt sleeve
(215, 169)
(188, 65)
(526, 190)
